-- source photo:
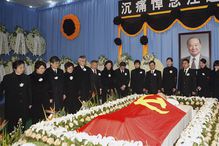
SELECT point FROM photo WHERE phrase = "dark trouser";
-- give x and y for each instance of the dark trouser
(105, 93)
(168, 91)
(137, 91)
(122, 93)
(72, 105)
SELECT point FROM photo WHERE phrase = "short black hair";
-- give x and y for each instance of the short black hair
(152, 62)
(122, 64)
(94, 61)
(137, 61)
(187, 60)
(68, 64)
(108, 61)
(216, 63)
(38, 64)
(82, 57)
(17, 63)
(169, 58)
(203, 60)
(54, 59)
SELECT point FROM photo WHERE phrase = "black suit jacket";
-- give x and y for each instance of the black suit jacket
(169, 79)
(203, 81)
(153, 81)
(18, 96)
(215, 83)
(108, 79)
(83, 77)
(187, 82)
(56, 85)
(96, 84)
(122, 78)
(137, 80)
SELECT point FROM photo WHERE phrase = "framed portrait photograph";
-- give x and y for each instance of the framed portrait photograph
(195, 46)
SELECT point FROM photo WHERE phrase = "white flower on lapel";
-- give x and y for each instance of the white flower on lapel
(140, 72)
(71, 77)
(171, 71)
(203, 74)
(109, 75)
(125, 74)
(56, 77)
(84, 69)
(21, 84)
(188, 74)
(40, 79)
(99, 74)
(155, 74)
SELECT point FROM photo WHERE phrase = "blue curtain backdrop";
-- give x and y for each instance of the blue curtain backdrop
(97, 31)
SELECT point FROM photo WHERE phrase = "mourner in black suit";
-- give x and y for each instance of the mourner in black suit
(187, 80)
(96, 85)
(55, 78)
(108, 79)
(83, 74)
(72, 103)
(169, 78)
(40, 91)
(153, 79)
(16, 89)
(122, 78)
(203, 79)
(137, 78)
(215, 80)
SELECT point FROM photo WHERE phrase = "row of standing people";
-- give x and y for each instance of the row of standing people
(45, 87)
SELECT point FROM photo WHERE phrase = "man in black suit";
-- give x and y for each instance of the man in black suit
(137, 78)
(122, 79)
(96, 85)
(215, 80)
(153, 79)
(187, 80)
(55, 79)
(83, 77)
(203, 79)
(169, 78)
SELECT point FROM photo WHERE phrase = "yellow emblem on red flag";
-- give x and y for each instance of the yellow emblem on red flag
(146, 102)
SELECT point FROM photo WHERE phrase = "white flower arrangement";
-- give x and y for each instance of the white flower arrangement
(17, 41)
(102, 59)
(202, 130)
(61, 131)
(4, 48)
(198, 132)
(35, 43)
(148, 58)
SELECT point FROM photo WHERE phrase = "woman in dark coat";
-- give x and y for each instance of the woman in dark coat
(17, 90)
(40, 91)
(108, 80)
(215, 80)
(71, 102)
(203, 79)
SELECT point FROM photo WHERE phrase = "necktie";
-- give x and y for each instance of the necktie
(95, 71)
(193, 64)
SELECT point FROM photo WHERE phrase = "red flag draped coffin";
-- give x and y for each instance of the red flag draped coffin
(148, 119)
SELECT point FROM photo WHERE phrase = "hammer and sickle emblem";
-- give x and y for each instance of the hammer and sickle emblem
(158, 100)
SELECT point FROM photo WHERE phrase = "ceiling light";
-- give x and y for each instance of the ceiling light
(30, 6)
(8, 0)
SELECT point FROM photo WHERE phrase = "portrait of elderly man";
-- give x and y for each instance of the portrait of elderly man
(194, 46)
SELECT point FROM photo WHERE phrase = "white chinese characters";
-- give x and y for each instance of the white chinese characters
(126, 8)
(141, 6)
